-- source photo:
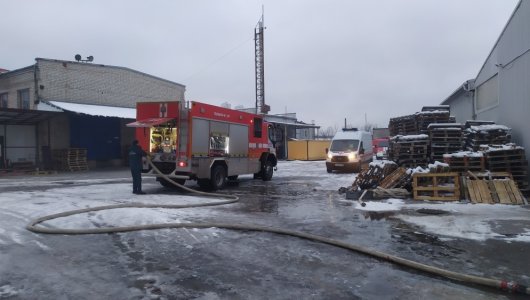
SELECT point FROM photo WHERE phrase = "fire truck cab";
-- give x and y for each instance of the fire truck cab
(203, 142)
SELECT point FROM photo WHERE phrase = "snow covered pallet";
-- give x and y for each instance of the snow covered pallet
(465, 161)
(493, 188)
(409, 150)
(508, 158)
(436, 186)
(445, 138)
(403, 125)
(489, 134)
(425, 118)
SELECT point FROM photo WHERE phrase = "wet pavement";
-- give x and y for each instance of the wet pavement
(226, 264)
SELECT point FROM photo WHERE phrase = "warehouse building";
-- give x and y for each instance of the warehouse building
(501, 90)
(57, 104)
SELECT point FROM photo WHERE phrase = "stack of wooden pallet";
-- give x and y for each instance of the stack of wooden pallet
(404, 125)
(508, 158)
(445, 138)
(71, 159)
(464, 161)
(20, 167)
(409, 150)
(486, 134)
(430, 115)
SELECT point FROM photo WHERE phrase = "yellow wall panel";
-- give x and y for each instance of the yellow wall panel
(307, 149)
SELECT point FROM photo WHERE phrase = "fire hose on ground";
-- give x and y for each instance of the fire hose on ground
(504, 285)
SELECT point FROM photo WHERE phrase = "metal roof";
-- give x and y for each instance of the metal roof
(14, 116)
(92, 110)
(150, 122)
(297, 125)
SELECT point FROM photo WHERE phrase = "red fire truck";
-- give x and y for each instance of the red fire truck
(207, 143)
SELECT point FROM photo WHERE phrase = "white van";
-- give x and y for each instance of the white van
(349, 149)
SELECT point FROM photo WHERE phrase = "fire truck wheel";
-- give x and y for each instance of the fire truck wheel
(218, 177)
(267, 170)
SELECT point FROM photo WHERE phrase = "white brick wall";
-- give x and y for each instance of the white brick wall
(18, 80)
(102, 85)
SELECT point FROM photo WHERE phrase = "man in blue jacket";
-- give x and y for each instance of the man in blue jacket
(135, 162)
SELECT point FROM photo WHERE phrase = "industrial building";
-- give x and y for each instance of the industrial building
(501, 90)
(57, 104)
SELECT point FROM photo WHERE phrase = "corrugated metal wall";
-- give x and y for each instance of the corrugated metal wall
(101, 136)
(510, 60)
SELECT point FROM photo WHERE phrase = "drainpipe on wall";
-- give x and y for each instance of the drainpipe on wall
(35, 102)
(469, 86)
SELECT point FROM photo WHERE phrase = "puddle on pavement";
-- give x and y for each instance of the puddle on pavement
(430, 211)
(266, 205)
(378, 215)
(63, 182)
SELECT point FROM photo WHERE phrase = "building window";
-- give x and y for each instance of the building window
(3, 100)
(487, 94)
(23, 99)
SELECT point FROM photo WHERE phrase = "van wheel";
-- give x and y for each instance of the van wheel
(267, 170)
(218, 178)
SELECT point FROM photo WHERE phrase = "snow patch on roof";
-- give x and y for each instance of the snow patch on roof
(410, 137)
(97, 110)
(493, 148)
(464, 154)
(489, 127)
(381, 163)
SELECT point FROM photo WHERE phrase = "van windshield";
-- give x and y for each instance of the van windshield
(344, 145)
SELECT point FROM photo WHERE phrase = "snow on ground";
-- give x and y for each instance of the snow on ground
(317, 169)
(18, 208)
(463, 220)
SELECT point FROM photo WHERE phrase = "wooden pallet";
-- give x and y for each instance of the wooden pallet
(465, 163)
(71, 159)
(436, 186)
(372, 176)
(397, 178)
(509, 160)
(503, 191)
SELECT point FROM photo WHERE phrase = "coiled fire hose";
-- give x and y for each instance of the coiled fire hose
(504, 285)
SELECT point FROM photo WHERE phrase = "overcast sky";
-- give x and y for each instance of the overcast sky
(325, 60)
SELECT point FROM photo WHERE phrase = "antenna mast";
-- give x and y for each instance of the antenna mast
(261, 107)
